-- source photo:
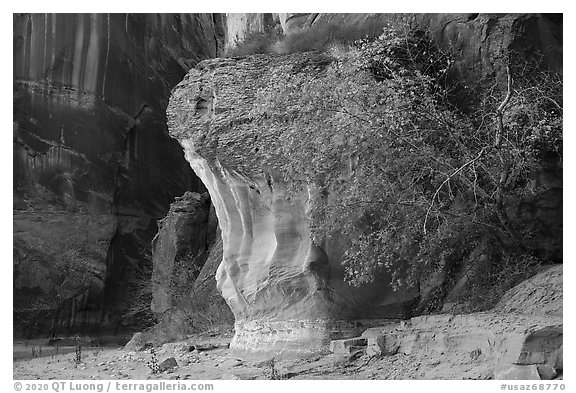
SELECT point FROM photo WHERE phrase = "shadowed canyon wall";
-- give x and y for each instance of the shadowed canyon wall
(287, 293)
(180, 248)
(94, 167)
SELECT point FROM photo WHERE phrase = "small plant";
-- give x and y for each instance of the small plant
(153, 363)
(78, 350)
(475, 354)
(274, 374)
(308, 39)
(253, 44)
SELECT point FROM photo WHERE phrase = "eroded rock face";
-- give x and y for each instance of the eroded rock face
(179, 248)
(521, 338)
(541, 294)
(91, 149)
(186, 253)
(288, 294)
(508, 346)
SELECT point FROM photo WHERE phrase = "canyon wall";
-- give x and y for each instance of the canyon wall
(94, 167)
(479, 40)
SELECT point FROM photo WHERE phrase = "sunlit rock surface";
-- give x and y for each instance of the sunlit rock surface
(288, 294)
(241, 26)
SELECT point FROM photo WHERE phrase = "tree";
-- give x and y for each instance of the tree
(415, 182)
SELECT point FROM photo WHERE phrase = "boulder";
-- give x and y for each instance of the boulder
(178, 349)
(518, 372)
(137, 343)
(348, 347)
(383, 340)
(546, 371)
(376, 346)
(167, 364)
(288, 294)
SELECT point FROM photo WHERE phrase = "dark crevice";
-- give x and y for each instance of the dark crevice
(313, 18)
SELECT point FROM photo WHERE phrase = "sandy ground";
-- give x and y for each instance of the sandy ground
(214, 362)
(207, 357)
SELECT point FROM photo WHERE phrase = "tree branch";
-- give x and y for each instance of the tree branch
(446, 181)
(500, 110)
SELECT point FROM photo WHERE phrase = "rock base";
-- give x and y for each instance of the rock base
(516, 346)
(263, 339)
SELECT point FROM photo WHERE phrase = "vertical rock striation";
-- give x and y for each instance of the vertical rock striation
(91, 149)
(239, 27)
(477, 39)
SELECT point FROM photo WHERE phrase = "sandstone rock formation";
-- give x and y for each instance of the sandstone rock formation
(91, 150)
(179, 248)
(539, 295)
(521, 338)
(288, 293)
(241, 26)
(186, 253)
(511, 346)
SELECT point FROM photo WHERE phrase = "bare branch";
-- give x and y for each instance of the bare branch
(447, 180)
(500, 110)
(554, 102)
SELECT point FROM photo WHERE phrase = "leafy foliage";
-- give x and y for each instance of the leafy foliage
(153, 364)
(77, 350)
(323, 36)
(392, 164)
